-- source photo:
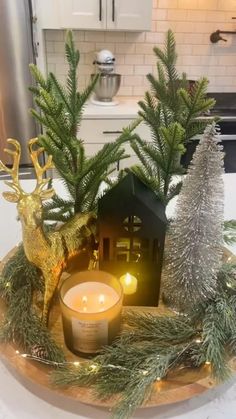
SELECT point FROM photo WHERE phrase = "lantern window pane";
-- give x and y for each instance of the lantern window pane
(132, 223)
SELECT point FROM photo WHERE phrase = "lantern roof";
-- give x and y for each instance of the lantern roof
(131, 187)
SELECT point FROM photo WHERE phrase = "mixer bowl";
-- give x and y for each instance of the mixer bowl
(107, 86)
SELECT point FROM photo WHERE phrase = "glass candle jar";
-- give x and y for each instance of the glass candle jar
(91, 303)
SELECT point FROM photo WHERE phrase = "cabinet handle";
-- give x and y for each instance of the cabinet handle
(100, 10)
(112, 132)
(113, 10)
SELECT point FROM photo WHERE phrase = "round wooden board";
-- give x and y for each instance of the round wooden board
(179, 386)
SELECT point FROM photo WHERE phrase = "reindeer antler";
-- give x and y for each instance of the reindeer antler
(40, 170)
(13, 172)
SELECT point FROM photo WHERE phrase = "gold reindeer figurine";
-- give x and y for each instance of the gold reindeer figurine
(48, 251)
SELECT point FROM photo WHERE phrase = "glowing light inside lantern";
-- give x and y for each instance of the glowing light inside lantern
(129, 283)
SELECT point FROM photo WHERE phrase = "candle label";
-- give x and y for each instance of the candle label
(89, 336)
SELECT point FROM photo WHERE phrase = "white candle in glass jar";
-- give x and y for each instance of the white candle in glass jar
(91, 303)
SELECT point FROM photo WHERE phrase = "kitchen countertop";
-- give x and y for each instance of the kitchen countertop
(19, 402)
(127, 108)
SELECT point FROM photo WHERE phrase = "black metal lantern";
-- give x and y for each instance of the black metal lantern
(132, 225)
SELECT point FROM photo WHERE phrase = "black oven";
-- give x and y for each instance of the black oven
(225, 108)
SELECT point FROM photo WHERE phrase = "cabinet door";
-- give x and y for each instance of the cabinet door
(81, 14)
(97, 132)
(133, 15)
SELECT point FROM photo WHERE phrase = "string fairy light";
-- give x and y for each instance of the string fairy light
(93, 367)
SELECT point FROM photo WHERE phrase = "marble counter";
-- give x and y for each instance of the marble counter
(20, 402)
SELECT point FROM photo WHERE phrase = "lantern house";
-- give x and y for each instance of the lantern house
(132, 225)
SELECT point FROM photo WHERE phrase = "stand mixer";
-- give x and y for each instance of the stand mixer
(108, 83)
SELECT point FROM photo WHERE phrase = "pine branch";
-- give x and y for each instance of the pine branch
(21, 325)
(230, 232)
(60, 112)
(169, 102)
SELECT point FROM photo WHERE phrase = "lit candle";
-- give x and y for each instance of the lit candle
(129, 283)
(91, 304)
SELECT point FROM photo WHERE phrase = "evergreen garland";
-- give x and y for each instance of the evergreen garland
(19, 280)
(171, 110)
(153, 347)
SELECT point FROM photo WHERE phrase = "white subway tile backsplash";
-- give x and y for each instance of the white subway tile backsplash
(133, 80)
(54, 35)
(188, 4)
(94, 36)
(134, 37)
(102, 45)
(125, 47)
(209, 4)
(134, 59)
(167, 4)
(201, 50)
(142, 69)
(155, 37)
(159, 14)
(126, 91)
(177, 15)
(196, 16)
(144, 48)
(59, 47)
(55, 59)
(150, 59)
(125, 69)
(79, 35)
(192, 22)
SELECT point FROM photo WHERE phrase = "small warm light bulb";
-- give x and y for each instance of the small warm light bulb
(24, 355)
(145, 372)
(129, 283)
(158, 378)
(93, 367)
(207, 363)
(198, 340)
(76, 363)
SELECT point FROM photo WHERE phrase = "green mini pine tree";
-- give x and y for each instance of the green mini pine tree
(171, 110)
(60, 112)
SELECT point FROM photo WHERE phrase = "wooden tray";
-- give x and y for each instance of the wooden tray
(179, 386)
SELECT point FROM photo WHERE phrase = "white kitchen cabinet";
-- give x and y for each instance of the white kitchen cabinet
(131, 15)
(97, 132)
(89, 14)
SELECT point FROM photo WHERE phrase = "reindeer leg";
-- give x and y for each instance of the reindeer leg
(51, 283)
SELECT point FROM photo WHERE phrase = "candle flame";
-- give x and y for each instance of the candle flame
(128, 279)
(101, 299)
(84, 299)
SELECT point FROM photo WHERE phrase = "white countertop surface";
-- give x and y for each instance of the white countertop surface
(127, 108)
(19, 402)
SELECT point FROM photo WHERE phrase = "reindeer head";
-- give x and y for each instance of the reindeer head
(29, 205)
